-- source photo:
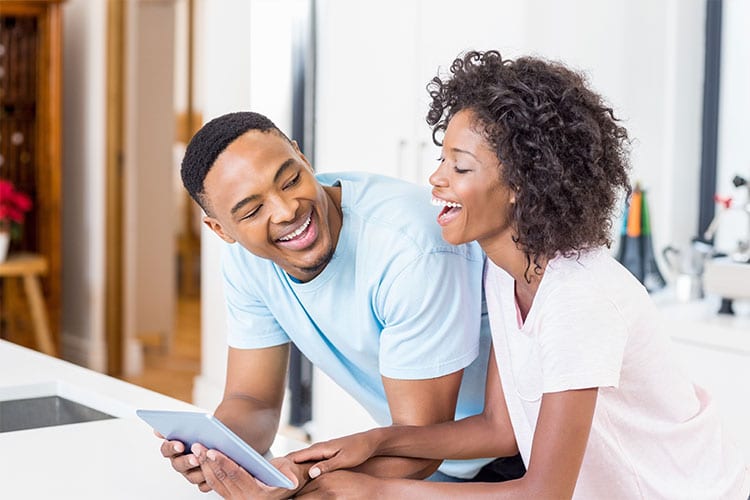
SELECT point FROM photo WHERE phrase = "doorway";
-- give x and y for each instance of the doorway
(153, 244)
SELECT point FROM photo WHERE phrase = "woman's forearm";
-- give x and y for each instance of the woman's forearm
(471, 437)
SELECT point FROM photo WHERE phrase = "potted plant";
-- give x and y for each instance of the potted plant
(13, 205)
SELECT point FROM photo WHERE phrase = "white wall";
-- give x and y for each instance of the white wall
(84, 108)
(223, 69)
(148, 217)
(734, 121)
(237, 72)
(646, 58)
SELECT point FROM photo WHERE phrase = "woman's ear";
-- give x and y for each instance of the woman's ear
(513, 194)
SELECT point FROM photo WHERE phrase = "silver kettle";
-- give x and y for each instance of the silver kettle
(687, 268)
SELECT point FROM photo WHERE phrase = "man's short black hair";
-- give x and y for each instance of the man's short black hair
(210, 141)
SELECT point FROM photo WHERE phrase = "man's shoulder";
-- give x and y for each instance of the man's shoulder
(403, 218)
(375, 189)
(236, 260)
(391, 206)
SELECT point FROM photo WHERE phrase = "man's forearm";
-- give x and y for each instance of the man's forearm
(399, 467)
(254, 422)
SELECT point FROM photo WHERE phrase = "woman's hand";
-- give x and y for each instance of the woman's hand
(341, 453)
(233, 482)
(345, 485)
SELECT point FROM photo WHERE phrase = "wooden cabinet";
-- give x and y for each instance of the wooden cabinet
(30, 145)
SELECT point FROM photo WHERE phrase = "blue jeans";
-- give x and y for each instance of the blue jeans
(500, 469)
(439, 477)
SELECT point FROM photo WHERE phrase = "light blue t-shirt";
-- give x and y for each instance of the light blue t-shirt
(395, 300)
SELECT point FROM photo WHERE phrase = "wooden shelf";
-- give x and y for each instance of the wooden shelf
(31, 131)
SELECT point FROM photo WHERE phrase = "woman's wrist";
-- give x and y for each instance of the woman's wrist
(383, 440)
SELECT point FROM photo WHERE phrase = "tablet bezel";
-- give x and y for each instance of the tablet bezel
(197, 427)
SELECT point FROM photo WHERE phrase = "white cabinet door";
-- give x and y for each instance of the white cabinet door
(365, 99)
(447, 29)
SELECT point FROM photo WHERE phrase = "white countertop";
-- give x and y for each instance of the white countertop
(698, 322)
(119, 458)
(113, 459)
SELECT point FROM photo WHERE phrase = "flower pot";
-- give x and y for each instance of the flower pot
(4, 243)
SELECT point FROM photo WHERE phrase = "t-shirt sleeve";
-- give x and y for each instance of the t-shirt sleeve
(250, 324)
(581, 340)
(431, 312)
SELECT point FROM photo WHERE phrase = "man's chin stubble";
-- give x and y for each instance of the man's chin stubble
(318, 267)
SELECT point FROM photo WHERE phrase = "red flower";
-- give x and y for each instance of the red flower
(13, 204)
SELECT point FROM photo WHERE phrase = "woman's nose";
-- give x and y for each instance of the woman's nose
(437, 178)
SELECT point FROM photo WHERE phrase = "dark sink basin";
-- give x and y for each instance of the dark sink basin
(47, 411)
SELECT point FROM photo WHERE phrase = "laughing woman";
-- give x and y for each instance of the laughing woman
(582, 382)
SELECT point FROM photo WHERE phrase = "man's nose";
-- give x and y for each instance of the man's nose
(284, 209)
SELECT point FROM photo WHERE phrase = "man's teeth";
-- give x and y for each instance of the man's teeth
(442, 203)
(297, 231)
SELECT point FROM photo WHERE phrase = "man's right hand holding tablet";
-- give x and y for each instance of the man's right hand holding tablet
(211, 470)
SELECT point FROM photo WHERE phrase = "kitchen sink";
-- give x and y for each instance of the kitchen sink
(46, 411)
(49, 404)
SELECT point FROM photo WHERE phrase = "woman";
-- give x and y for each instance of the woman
(581, 382)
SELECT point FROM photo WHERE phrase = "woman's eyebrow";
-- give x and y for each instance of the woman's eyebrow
(458, 150)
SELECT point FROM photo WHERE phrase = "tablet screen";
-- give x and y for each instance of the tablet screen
(204, 428)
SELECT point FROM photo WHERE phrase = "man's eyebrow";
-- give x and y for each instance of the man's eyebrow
(283, 168)
(238, 206)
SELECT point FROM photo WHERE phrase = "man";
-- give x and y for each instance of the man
(352, 268)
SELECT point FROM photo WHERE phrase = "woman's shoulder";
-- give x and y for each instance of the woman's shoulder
(591, 279)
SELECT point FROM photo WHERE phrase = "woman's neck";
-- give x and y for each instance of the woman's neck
(504, 253)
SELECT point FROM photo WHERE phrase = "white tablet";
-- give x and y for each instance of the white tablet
(195, 427)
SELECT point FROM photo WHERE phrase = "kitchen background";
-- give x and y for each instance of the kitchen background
(347, 80)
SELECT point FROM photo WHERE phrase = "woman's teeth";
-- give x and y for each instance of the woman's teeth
(442, 203)
(297, 231)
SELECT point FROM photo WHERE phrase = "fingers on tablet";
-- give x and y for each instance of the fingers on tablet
(172, 448)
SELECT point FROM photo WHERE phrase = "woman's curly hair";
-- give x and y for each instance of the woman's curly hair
(559, 144)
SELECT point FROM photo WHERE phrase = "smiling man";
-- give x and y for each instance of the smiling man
(353, 270)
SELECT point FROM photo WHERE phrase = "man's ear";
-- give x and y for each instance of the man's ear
(216, 227)
(301, 155)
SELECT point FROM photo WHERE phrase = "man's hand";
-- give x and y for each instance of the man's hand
(233, 482)
(185, 464)
(342, 453)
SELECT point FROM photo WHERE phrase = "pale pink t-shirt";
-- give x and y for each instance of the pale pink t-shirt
(655, 435)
